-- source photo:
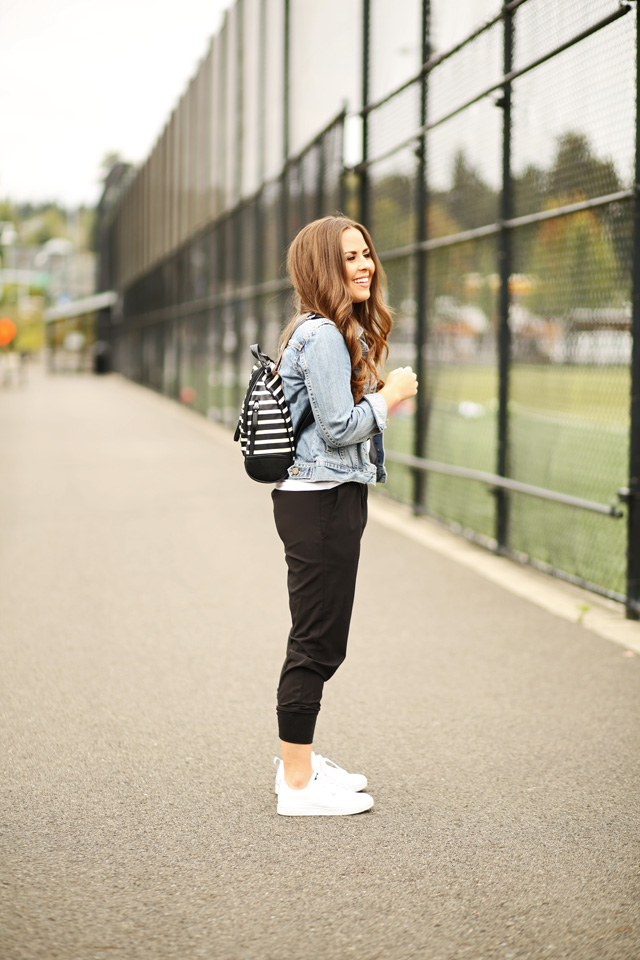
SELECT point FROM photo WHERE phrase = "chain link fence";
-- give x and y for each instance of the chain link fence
(186, 326)
(497, 175)
(512, 280)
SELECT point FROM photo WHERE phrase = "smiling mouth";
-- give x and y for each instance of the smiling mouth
(362, 281)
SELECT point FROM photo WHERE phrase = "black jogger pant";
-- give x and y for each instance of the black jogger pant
(321, 533)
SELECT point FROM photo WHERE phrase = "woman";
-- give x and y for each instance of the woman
(332, 349)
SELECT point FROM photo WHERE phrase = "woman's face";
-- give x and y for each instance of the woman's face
(358, 264)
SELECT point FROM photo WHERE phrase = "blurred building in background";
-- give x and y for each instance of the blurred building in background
(491, 150)
(38, 270)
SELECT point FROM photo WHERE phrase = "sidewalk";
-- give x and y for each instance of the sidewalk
(143, 620)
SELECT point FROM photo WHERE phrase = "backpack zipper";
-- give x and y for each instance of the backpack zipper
(254, 425)
(246, 407)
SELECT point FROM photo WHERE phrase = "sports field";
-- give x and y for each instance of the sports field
(569, 432)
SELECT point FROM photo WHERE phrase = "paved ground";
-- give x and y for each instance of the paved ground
(143, 620)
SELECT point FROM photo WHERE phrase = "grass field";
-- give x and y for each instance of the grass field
(569, 432)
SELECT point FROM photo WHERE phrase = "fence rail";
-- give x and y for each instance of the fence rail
(503, 483)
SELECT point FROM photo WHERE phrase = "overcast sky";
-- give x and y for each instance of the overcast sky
(82, 78)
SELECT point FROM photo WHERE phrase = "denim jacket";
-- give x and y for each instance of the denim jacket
(316, 368)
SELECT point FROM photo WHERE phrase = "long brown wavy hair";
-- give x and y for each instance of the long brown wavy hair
(316, 265)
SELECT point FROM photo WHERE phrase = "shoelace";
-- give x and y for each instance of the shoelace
(324, 761)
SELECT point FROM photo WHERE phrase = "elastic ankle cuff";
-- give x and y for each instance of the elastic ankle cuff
(297, 727)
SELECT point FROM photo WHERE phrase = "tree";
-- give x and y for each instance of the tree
(46, 225)
(576, 168)
(8, 213)
(109, 161)
(529, 190)
(470, 201)
(604, 234)
(574, 262)
(393, 211)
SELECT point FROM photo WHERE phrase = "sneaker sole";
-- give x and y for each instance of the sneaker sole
(320, 811)
(355, 789)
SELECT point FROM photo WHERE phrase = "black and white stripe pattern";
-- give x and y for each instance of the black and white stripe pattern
(265, 422)
(264, 427)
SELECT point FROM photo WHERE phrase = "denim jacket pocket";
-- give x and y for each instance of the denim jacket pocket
(334, 454)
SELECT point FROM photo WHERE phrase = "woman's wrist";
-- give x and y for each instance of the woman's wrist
(389, 396)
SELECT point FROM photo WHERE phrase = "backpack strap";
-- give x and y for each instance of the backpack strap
(307, 416)
(261, 357)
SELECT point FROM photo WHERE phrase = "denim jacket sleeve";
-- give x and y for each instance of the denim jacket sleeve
(325, 365)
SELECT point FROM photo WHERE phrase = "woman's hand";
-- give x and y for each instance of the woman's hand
(401, 384)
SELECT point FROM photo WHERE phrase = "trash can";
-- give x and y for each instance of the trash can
(101, 357)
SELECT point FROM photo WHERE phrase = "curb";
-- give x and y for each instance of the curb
(597, 614)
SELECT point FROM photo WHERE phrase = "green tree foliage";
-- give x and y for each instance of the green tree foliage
(109, 161)
(529, 190)
(576, 174)
(8, 213)
(44, 225)
(393, 214)
(574, 262)
(471, 202)
(86, 220)
(576, 167)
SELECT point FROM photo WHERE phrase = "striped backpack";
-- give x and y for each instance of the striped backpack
(264, 428)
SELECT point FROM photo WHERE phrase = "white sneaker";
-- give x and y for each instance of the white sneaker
(352, 781)
(321, 798)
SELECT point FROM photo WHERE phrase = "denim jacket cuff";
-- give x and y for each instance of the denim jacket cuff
(379, 406)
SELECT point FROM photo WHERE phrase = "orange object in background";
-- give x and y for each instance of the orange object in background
(8, 331)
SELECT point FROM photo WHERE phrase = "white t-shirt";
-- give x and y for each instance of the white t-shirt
(306, 486)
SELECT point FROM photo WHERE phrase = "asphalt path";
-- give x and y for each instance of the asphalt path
(143, 621)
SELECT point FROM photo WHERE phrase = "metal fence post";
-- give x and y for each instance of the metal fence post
(259, 210)
(284, 179)
(286, 66)
(342, 186)
(504, 264)
(261, 92)
(422, 407)
(239, 105)
(633, 495)
(366, 49)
